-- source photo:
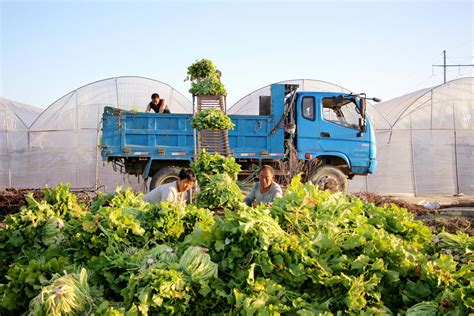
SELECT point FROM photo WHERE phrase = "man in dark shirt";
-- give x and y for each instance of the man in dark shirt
(158, 105)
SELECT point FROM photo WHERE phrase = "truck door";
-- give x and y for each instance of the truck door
(339, 130)
(307, 140)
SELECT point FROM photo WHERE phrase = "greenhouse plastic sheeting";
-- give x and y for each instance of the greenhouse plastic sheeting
(431, 148)
(15, 117)
(434, 162)
(394, 164)
(61, 145)
(22, 113)
(465, 161)
(82, 108)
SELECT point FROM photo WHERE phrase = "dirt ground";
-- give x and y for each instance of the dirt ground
(412, 202)
(444, 201)
(12, 199)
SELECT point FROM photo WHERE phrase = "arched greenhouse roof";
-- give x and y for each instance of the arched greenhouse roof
(82, 108)
(17, 114)
(446, 106)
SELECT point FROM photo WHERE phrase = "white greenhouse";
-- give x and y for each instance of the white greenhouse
(428, 147)
(62, 144)
(425, 139)
(15, 118)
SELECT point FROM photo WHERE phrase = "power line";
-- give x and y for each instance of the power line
(414, 73)
(465, 57)
(445, 66)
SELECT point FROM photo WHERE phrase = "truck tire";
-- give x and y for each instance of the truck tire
(164, 175)
(330, 178)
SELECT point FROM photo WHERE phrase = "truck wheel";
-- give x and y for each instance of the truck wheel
(163, 176)
(330, 178)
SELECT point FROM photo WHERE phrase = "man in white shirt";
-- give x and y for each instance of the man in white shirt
(266, 190)
(174, 191)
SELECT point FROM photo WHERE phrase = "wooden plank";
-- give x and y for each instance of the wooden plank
(204, 102)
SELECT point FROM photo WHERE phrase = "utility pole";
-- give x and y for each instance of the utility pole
(444, 65)
(444, 58)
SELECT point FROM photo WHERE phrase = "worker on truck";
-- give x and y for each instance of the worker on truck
(174, 192)
(266, 190)
(218, 74)
(158, 105)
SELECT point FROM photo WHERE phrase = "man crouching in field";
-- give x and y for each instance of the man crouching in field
(174, 191)
(266, 190)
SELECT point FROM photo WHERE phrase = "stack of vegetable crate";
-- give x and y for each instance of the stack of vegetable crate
(213, 141)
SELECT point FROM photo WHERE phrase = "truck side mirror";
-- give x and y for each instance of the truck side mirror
(363, 107)
(362, 125)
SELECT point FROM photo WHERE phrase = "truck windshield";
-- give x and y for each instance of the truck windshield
(345, 112)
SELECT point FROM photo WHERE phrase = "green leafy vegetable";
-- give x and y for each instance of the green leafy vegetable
(66, 295)
(208, 86)
(204, 80)
(206, 165)
(220, 193)
(202, 68)
(23, 281)
(159, 291)
(197, 264)
(212, 119)
(171, 223)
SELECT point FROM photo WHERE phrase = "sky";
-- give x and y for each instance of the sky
(383, 48)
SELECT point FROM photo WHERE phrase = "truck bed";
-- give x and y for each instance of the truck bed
(171, 137)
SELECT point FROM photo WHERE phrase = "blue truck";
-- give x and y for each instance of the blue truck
(325, 135)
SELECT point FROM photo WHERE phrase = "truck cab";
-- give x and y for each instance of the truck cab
(333, 127)
(328, 131)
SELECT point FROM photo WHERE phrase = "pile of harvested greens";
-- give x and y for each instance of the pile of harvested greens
(313, 252)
